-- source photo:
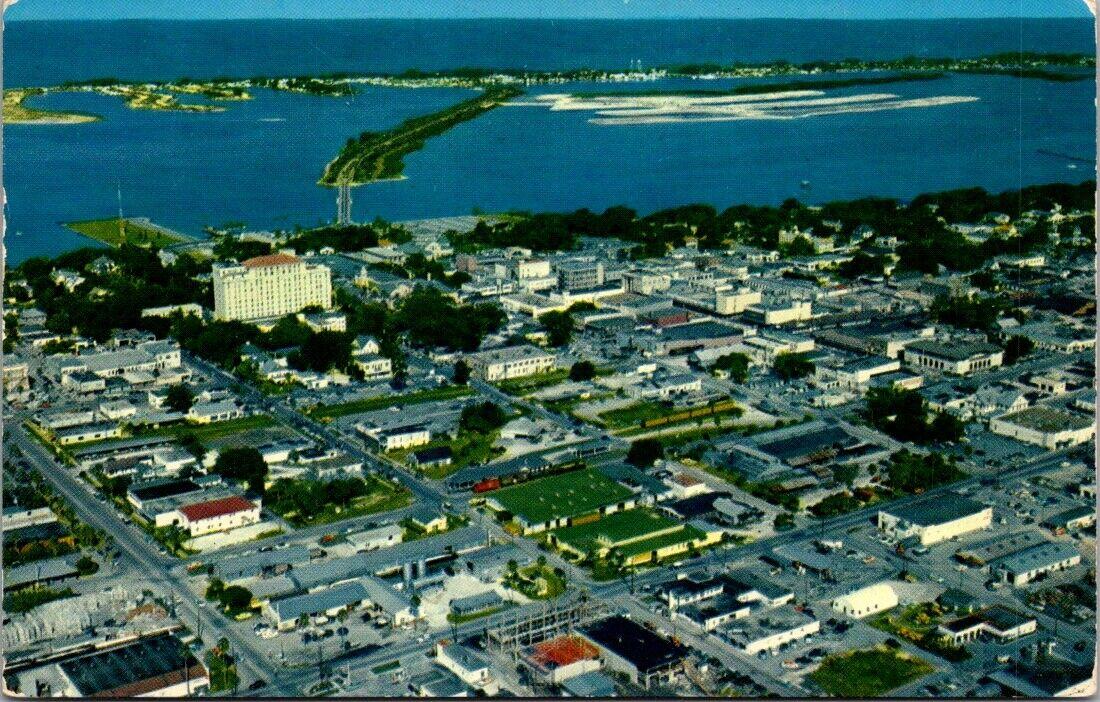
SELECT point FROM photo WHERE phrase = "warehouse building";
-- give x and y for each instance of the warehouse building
(935, 519)
(1049, 427)
(1022, 567)
(157, 666)
(629, 648)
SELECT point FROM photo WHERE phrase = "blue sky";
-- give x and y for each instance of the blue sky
(620, 9)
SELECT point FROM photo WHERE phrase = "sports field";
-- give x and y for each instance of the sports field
(614, 529)
(560, 496)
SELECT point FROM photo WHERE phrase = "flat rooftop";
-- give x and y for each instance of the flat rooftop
(132, 670)
(1048, 419)
(937, 510)
(629, 640)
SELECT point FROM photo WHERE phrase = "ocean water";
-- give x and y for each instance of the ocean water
(258, 161)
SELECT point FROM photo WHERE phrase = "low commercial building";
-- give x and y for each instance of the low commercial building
(998, 623)
(260, 564)
(867, 601)
(510, 362)
(779, 312)
(1022, 567)
(1053, 678)
(158, 666)
(284, 614)
(15, 517)
(1049, 427)
(953, 358)
(772, 629)
(476, 604)
(1072, 519)
(935, 519)
(713, 613)
(558, 659)
(51, 571)
(470, 666)
(397, 438)
(148, 357)
(640, 654)
(88, 432)
(217, 515)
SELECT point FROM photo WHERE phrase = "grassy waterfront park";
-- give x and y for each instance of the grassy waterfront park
(136, 232)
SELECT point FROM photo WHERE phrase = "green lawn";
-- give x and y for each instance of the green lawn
(463, 618)
(565, 495)
(630, 419)
(215, 430)
(107, 231)
(634, 414)
(868, 673)
(384, 496)
(687, 534)
(918, 623)
(531, 383)
(537, 582)
(614, 528)
(26, 600)
(447, 392)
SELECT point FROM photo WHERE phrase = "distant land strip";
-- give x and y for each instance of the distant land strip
(213, 92)
(778, 87)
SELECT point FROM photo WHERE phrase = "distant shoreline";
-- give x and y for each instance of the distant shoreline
(163, 95)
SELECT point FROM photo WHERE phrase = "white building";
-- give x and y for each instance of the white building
(777, 312)
(773, 629)
(470, 666)
(217, 515)
(953, 358)
(397, 438)
(867, 601)
(1024, 566)
(1049, 427)
(270, 286)
(937, 519)
(510, 362)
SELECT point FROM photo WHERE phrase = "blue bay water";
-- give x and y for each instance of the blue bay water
(258, 161)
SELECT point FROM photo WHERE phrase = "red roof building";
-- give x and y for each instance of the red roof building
(218, 515)
(562, 658)
(279, 259)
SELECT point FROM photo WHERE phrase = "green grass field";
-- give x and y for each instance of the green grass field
(558, 496)
(868, 673)
(215, 430)
(614, 528)
(447, 392)
(531, 383)
(107, 231)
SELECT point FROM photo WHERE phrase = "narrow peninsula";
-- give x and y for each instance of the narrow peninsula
(378, 155)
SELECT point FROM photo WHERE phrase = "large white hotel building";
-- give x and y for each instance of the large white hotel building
(270, 286)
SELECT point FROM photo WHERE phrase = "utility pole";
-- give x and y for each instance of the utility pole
(121, 221)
